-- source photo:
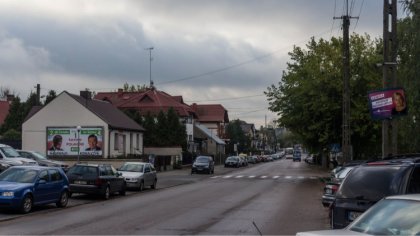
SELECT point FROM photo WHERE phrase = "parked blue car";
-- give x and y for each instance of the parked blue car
(22, 187)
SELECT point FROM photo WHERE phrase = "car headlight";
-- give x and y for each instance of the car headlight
(8, 194)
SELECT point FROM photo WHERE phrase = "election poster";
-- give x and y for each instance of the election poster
(71, 141)
(387, 104)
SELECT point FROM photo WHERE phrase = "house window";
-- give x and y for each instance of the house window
(116, 141)
(190, 137)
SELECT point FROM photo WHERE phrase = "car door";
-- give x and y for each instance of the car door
(57, 183)
(148, 175)
(43, 187)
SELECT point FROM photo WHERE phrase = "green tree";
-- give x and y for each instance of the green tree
(15, 117)
(308, 98)
(236, 135)
(408, 76)
(162, 130)
(150, 136)
(177, 134)
(50, 96)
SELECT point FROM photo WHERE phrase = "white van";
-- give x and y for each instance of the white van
(289, 153)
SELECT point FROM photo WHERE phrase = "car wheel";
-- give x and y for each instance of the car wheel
(141, 187)
(27, 204)
(64, 199)
(153, 186)
(122, 192)
(107, 193)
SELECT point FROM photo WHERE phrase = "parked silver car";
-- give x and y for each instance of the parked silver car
(139, 174)
(394, 215)
(43, 160)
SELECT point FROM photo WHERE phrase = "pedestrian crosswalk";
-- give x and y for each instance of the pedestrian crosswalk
(274, 177)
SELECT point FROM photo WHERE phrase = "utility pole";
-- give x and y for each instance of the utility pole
(346, 131)
(150, 67)
(389, 70)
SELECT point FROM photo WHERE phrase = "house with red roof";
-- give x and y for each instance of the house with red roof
(78, 126)
(202, 137)
(214, 116)
(4, 107)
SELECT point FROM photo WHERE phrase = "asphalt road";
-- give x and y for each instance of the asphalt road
(280, 197)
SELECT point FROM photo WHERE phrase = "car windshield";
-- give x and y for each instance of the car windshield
(390, 217)
(9, 152)
(39, 156)
(202, 159)
(232, 159)
(18, 175)
(81, 170)
(132, 167)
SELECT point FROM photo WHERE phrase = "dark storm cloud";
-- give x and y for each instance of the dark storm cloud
(202, 49)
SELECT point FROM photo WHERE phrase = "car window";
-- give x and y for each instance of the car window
(202, 159)
(55, 175)
(102, 170)
(414, 183)
(9, 152)
(132, 167)
(147, 168)
(152, 168)
(43, 175)
(82, 170)
(18, 175)
(369, 182)
(390, 217)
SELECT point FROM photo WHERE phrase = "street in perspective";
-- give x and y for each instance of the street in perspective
(268, 198)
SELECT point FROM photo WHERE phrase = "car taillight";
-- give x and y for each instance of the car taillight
(99, 181)
(334, 188)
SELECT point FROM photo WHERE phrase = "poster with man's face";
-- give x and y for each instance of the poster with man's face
(68, 141)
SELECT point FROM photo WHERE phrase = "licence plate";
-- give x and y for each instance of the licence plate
(328, 191)
(353, 215)
(80, 182)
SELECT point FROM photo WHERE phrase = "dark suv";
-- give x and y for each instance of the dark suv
(203, 164)
(370, 182)
(99, 179)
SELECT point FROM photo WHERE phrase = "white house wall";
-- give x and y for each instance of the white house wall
(123, 147)
(63, 111)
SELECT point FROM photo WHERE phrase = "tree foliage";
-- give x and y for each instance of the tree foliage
(134, 88)
(236, 136)
(308, 98)
(408, 76)
(162, 130)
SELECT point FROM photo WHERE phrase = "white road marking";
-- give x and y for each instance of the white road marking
(227, 176)
(263, 177)
(251, 176)
(239, 176)
(276, 177)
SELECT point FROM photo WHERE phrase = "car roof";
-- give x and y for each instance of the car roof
(92, 164)
(35, 167)
(136, 162)
(415, 197)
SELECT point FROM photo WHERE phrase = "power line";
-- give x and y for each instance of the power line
(360, 12)
(225, 99)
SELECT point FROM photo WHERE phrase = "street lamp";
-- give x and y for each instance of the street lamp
(78, 143)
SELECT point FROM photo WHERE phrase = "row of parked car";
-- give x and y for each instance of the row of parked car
(357, 186)
(240, 161)
(27, 184)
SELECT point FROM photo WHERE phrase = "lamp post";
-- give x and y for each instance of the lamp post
(78, 143)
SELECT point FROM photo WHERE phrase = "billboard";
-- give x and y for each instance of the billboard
(388, 103)
(66, 141)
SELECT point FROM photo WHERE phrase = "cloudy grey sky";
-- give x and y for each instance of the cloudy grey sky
(208, 51)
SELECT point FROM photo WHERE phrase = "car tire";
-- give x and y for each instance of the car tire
(107, 193)
(123, 192)
(27, 204)
(153, 186)
(64, 199)
(141, 187)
